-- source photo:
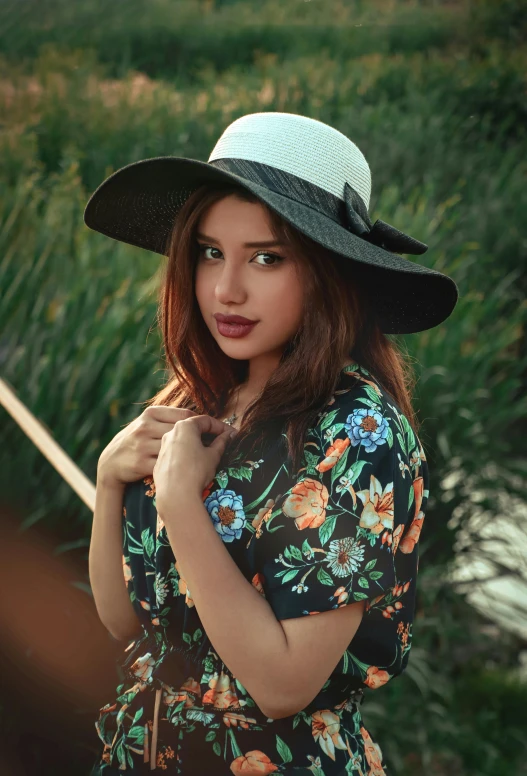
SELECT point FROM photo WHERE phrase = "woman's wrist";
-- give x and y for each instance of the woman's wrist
(106, 479)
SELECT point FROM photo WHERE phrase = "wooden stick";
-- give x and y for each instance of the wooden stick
(41, 438)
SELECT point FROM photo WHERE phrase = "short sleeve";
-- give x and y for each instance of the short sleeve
(330, 540)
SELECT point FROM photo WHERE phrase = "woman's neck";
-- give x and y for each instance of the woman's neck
(239, 401)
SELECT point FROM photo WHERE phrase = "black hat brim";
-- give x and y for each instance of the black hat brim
(138, 204)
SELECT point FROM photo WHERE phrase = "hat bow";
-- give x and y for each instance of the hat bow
(380, 233)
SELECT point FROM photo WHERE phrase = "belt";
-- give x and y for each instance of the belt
(356, 697)
(177, 664)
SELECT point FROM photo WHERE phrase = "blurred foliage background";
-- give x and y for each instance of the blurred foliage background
(435, 95)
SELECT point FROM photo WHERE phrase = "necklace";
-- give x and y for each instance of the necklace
(233, 417)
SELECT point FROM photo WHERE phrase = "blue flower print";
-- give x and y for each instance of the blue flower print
(368, 428)
(226, 509)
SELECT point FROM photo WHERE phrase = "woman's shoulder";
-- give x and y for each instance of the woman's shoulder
(357, 388)
(361, 412)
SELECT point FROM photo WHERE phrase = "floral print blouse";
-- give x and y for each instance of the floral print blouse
(344, 528)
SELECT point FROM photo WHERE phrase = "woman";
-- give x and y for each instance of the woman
(315, 507)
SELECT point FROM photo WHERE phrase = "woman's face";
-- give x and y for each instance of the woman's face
(257, 281)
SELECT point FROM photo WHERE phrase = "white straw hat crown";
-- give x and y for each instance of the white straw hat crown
(301, 146)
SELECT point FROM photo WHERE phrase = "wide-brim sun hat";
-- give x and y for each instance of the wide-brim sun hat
(315, 178)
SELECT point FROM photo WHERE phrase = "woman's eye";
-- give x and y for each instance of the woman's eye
(278, 259)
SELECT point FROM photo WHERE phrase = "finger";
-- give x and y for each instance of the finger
(221, 440)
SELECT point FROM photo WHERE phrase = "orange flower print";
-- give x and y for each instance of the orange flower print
(182, 586)
(253, 763)
(375, 677)
(127, 571)
(373, 754)
(206, 492)
(411, 536)
(378, 506)
(325, 727)
(333, 453)
(221, 694)
(396, 537)
(230, 719)
(143, 666)
(257, 582)
(403, 629)
(307, 504)
(167, 754)
(418, 485)
(263, 515)
(150, 481)
(173, 695)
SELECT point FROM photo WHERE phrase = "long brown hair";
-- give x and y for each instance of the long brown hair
(339, 320)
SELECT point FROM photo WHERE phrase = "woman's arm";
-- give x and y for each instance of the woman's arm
(107, 581)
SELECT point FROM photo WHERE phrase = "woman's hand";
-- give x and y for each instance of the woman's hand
(184, 465)
(132, 453)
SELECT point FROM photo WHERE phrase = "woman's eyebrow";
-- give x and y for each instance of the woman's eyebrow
(267, 244)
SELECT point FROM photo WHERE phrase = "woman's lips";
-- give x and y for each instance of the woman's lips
(234, 329)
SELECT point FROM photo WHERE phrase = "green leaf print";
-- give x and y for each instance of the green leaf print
(340, 466)
(373, 395)
(363, 582)
(281, 573)
(375, 574)
(371, 404)
(311, 461)
(370, 565)
(359, 596)
(291, 574)
(262, 497)
(389, 437)
(136, 734)
(325, 531)
(222, 480)
(324, 577)
(121, 754)
(137, 716)
(401, 442)
(283, 750)
(134, 546)
(241, 473)
(295, 552)
(355, 470)
(409, 432)
(148, 542)
(306, 549)
(328, 420)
